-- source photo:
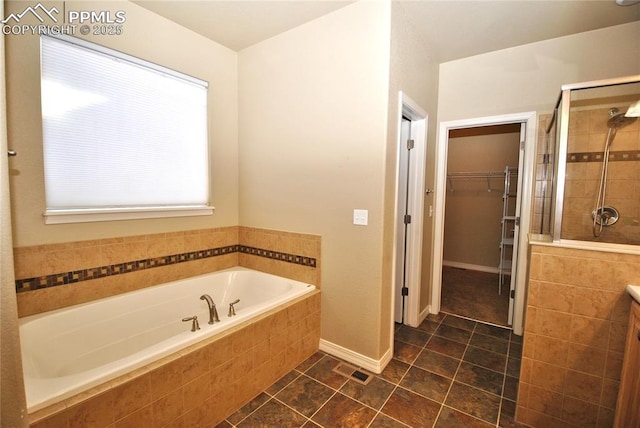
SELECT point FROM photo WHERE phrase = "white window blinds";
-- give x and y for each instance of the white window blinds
(121, 135)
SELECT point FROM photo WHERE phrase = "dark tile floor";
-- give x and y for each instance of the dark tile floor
(448, 372)
(474, 294)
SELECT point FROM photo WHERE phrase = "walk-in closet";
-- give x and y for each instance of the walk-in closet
(480, 220)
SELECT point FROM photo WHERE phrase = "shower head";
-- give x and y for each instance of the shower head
(619, 120)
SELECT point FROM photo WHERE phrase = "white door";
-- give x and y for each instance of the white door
(402, 228)
(409, 212)
(516, 230)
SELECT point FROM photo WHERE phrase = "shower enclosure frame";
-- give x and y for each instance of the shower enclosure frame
(561, 116)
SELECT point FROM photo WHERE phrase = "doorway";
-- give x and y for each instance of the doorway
(514, 284)
(480, 221)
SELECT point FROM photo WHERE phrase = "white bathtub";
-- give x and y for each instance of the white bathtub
(70, 350)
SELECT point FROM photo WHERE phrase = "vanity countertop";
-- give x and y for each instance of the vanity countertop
(634, 290)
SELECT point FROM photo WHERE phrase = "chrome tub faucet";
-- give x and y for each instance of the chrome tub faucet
(213, 312)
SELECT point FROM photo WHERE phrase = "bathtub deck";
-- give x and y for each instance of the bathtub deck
(200, 385)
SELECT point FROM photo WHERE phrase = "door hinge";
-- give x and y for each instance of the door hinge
(407, 218)
(405, 291)
(513, 294)
(410, 144)
(517, 221)
(545, 158)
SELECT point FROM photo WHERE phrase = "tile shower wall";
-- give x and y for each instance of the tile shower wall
(575, 329)
(587, 134)
(54, 276)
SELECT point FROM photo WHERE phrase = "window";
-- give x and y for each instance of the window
(123, 138)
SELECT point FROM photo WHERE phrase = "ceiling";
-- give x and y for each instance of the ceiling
(450, 29)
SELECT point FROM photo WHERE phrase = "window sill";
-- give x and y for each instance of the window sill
(115, 214)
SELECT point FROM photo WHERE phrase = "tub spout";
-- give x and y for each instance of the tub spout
(213, 312)
(194, 325)
(232, 310)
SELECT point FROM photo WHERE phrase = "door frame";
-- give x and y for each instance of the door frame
(530, 120)
(419, 120)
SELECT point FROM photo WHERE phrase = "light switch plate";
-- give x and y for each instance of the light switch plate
(361, 217)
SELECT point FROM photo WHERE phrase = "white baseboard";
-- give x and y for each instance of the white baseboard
(367, 363)
(424, 314)
(468, 266)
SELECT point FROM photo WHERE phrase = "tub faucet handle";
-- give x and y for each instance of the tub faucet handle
(194, 325)
(232, 310)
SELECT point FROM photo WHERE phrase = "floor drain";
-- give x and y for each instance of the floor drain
(353, 373)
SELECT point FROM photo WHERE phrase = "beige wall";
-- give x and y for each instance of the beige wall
(528, 77)
(472, 225)
(13, 408)
(415, 73)
(150, 37)
(312, 107)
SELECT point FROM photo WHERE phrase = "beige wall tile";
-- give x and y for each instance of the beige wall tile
(579, 413)
(96, 411)
(617, 336)
(140, 418)
(606, 417)
(131, 396)
(531, 320)
(609, 396)
(589, 288)
(168, 408)
(550, 350)
(583, 386)
(557, 297)
(553, 323)
(613, 366)
(594, 303)
(590, 331)
(166, 378)
(546, 402)
(587, 359)
(547, 376)
(196, 392)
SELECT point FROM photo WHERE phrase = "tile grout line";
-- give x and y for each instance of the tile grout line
(453, 379)
(273, 396)
(410, 365)
(504, 383)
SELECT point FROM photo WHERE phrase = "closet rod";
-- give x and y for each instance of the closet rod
(486, 174)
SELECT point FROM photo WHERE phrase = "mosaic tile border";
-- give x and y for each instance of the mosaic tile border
(29, 284)
(621, 156)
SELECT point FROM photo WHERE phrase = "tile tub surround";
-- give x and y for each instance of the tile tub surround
(575, 326)
(57, 275)
(203, 384)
